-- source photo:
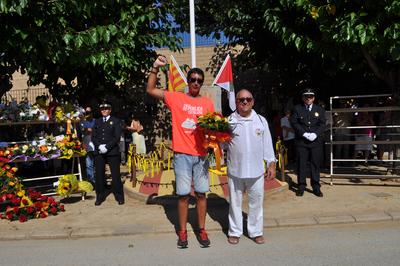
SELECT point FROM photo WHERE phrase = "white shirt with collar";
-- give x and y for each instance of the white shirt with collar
(106, 118)
(309, 107)
(250, 146)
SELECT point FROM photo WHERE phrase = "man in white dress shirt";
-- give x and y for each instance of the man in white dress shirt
(248, 151)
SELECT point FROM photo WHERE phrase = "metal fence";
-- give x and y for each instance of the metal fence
(19, 94)
(378, 142)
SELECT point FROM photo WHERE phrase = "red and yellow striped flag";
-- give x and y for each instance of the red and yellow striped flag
(176, 79)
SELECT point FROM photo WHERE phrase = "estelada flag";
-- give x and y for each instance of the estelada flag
(176, 79)
(224, 79)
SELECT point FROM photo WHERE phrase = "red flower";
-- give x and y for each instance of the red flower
(16, 209)
(23, 218)
(38, 205)
(30, 209)
(9, 196)
(9, 215)
(25, 201)
(51, 200)
(43, 215)
(43, 198)
(53, 211)
(15, 201)
(62, 208)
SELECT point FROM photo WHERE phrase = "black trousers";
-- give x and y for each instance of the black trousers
(113, 161)
(313, 155)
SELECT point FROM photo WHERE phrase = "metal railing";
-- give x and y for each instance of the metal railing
(372, 168)
(20, 94)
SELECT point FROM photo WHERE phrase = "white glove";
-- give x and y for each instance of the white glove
(102, 148)
(306, 135)
(312, 136)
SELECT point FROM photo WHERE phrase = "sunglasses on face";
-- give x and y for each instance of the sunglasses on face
(193, 80)
(247, 99)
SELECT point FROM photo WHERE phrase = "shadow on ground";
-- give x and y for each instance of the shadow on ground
(217, 210)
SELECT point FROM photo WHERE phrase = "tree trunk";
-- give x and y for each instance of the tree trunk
(391, 76)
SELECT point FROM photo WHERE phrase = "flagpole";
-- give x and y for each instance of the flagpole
(192, 33)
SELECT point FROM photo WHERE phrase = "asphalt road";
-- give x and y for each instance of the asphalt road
(354, 244)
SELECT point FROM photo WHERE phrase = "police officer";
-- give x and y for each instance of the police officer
(106, 136)
(308, 121)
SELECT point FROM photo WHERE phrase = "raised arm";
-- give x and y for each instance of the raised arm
(151, 89)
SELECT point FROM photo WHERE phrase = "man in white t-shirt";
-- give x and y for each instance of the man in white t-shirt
(248, 152)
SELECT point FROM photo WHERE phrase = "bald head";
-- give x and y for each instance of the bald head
(244, 102)
(243, 91)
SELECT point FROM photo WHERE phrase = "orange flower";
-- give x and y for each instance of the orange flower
(43, 149)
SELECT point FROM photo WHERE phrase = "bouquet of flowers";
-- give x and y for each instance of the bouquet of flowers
(67, 111)
(69, 146)
(21, 204)
(68, 184)
(6, 154)
(216, 130)
(47, 148)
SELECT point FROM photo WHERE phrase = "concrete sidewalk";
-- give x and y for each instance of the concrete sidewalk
(369, 201)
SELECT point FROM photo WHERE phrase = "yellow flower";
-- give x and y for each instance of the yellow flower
(11, 184)
(314, 13)
(27, 200)
(21, 193)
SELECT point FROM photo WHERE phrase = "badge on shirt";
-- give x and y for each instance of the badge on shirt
(316, 114)
(258, 132)
(111, 122)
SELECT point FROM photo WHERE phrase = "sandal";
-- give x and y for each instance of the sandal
(233, 240)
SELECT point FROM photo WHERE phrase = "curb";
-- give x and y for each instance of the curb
(134, 229)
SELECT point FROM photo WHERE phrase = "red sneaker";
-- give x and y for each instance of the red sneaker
(202, 237)
(182, 239)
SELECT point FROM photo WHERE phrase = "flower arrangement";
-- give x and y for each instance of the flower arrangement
(68, 111)
(216, 130)
(47, 148)
(44, 148)
(213, 121)
(23, 204)
(69, 146)
(39, 111)
(24, 111)
(68, 184)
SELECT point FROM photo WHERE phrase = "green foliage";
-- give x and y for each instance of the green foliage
(331, 35)
(97, 42)
(343, 30)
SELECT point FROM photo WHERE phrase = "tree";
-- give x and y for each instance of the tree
(343, 31)
(100, 44)
(332, 37)
(269, 62)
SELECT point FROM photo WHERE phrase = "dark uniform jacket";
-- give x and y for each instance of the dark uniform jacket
(108, 133)
(303, 120)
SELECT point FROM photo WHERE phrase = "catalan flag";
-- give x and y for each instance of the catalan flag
(176, 79)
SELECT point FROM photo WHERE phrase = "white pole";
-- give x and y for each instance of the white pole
(192, 33)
